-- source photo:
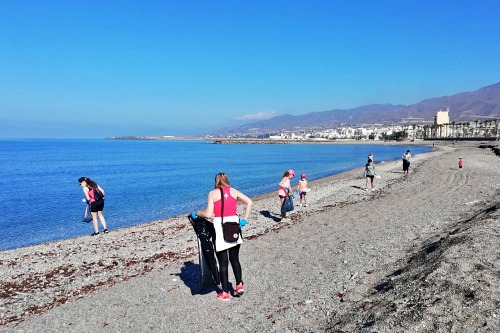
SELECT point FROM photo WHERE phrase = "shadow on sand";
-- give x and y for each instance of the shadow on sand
(190, 275)
(267, 214)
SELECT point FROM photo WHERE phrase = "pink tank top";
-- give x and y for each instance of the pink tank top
(229, 203)
(91, 195)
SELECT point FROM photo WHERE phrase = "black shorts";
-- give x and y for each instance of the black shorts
(370, 176)
(97, 206)
(406, 165)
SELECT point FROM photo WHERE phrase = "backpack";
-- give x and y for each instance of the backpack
(98, 196)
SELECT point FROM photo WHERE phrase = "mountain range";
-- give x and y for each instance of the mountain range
(482, 104)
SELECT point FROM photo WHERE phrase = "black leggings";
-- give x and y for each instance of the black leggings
(222, 257)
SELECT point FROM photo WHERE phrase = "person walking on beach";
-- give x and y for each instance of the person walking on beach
(226, 251)
(370, 174)
(460, 163)
(94, 195)
(406, 162)
(284, 190)
(301, 189)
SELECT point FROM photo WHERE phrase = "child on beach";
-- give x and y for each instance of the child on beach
(301, 189)
(460, 163)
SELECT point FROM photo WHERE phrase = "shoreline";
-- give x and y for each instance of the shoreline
(419, 143)
(42, 280)
(217, 140)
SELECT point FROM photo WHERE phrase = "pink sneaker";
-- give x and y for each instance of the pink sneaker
(223, 296)
(239, 290)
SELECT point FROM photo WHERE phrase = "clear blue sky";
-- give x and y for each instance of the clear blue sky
(81, 69)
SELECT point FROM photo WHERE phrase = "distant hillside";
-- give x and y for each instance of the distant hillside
(466, 106)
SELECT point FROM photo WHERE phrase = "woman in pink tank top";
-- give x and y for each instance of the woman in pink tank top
(89, 188)
(226, 251)
(285, 187)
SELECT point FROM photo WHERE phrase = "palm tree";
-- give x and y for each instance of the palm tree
(434, 128)
(418, 133)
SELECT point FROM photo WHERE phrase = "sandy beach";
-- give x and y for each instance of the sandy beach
(420, 254)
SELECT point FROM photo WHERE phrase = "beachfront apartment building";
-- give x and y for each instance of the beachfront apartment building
(443, 118)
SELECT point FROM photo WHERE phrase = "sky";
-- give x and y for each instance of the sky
(93, 69)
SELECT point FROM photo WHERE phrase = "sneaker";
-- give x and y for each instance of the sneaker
(373, 190)
(305, 205)
(223, 296)
(239, 290)
(94, 234)
(106, 231)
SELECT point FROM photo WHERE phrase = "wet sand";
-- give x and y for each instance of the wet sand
(420, 254)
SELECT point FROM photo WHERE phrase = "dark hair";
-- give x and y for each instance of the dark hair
(286, 174)
(90, 182)
(370, 160)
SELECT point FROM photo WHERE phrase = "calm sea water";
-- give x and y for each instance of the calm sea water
(145, 180)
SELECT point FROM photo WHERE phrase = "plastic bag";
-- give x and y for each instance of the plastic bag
(87, 217)
(287, 205)
(209, 272)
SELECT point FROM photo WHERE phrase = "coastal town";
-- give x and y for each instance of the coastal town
(409, 129)
(442, 127)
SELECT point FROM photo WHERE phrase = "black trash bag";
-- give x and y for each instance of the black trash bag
(209, 272)
(287, 205)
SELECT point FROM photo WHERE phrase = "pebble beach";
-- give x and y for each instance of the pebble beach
(419, 254)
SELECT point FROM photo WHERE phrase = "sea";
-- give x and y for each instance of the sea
(147, 180)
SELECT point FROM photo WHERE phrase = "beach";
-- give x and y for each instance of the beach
(420, 254)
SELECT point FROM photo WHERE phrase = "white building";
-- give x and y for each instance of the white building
(442, 118)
